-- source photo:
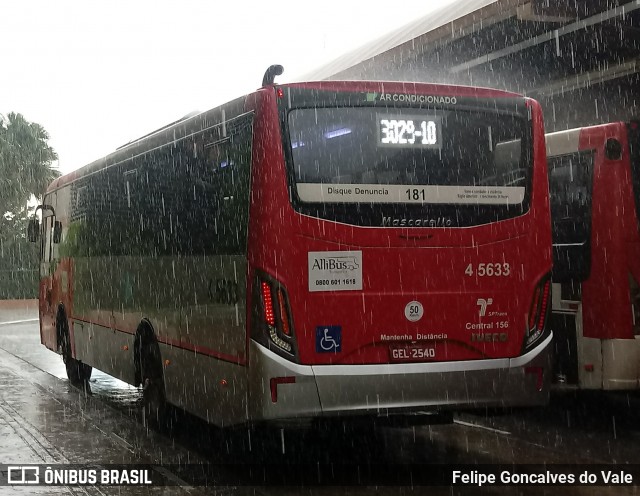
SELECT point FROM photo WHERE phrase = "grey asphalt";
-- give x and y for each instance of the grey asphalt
(45, 420)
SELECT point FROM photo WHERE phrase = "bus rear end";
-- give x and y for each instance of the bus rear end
(400, 251)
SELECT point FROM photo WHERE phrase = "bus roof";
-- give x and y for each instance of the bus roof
(399, 86)
(172, 132)
(568, 141)
(563, 142)
(194, 123)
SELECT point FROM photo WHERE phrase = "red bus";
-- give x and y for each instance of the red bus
(312, 250)
(594, 176)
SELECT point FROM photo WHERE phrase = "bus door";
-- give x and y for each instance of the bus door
(570, 185)
(577, 361)
(633, 130)
(48, 299)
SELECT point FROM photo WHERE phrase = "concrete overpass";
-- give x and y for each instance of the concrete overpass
(580, 59)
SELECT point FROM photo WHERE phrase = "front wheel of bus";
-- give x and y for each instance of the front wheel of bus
(78, 373)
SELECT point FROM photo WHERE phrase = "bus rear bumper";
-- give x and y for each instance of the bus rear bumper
(284, 390)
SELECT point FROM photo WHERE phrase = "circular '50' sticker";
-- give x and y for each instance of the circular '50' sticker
(413, 311)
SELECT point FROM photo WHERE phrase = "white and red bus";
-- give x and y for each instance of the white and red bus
(312, 250)
(594, 176)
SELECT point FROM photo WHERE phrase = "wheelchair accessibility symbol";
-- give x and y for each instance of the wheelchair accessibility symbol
(328, 339)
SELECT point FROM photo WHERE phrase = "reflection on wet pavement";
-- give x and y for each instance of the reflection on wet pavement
(117, 393)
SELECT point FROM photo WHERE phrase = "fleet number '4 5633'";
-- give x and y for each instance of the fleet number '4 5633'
(489, 270)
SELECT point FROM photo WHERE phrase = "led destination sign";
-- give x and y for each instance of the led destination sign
(409, 131)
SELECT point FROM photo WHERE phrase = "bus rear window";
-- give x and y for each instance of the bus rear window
(372, 155)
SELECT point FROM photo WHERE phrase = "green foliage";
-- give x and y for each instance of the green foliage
(25, 170)
(18, 258)
(25, 162)
(75, 242)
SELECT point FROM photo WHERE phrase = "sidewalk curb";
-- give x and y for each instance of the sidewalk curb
(19, 304)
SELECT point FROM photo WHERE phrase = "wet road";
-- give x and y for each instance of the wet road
(58, 423)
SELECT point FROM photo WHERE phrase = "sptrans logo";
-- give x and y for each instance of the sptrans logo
(335, 270)
(483, 304)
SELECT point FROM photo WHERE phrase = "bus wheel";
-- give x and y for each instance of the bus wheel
(78, 373)
(155, 411)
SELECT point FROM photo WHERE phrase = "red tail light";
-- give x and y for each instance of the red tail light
(269, 314)
(538, 313)
(545, 302)
(275, 329)
(284, 314)
(533, 308)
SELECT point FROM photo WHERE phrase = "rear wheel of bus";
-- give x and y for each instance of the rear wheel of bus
(149, 373)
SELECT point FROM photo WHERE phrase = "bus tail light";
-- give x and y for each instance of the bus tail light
(274, 329)
(267, 304)
(284, 313)
(534, 306)
(538, 314)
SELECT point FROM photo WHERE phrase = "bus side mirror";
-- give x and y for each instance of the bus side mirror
(57, 232)
(33, 230)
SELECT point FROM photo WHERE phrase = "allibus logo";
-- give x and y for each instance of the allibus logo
(335, 263)
(335, 270)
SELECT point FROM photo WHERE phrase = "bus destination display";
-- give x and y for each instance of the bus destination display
(409, 131)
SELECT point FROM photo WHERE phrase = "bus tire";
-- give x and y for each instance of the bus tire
(78, 373)
(150, 375)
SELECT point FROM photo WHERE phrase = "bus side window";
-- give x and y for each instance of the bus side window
(507, 157)
(228, 170)
(187, 198)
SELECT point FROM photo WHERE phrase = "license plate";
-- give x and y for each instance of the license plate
(412, 353)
